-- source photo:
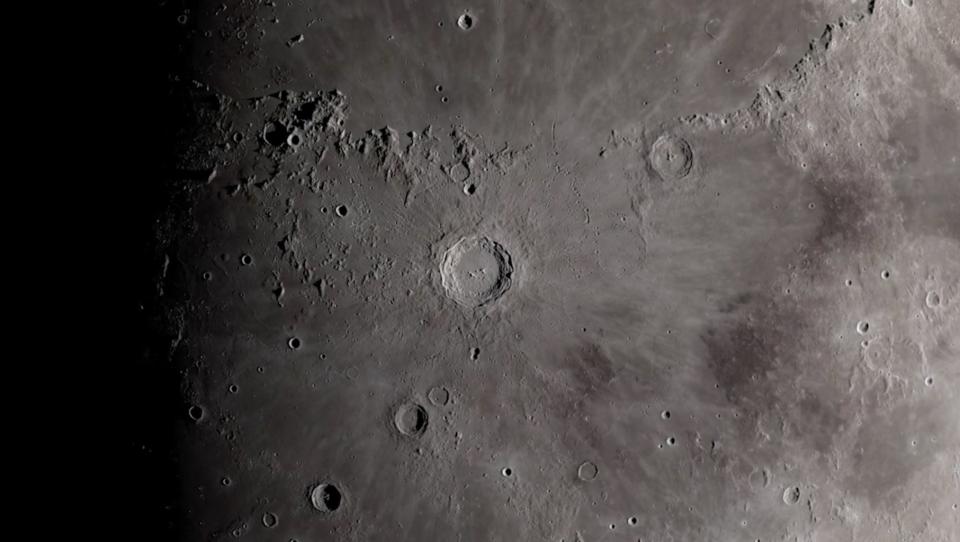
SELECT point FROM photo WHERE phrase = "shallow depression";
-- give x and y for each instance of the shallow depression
(587, 471)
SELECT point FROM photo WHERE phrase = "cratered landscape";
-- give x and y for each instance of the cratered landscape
(552, 271)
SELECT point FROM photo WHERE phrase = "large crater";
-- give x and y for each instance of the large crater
(476, 271)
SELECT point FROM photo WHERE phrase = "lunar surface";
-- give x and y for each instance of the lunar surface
(476, 271)
(549, 270)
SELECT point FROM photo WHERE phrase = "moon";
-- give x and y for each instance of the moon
(556, 271)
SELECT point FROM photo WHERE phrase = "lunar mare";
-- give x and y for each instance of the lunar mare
(564, 271)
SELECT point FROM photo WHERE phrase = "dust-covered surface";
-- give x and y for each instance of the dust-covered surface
(559, 271)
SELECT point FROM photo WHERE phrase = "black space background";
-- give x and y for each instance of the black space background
(153, 51)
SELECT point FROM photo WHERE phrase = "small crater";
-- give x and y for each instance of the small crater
(474, 354)
(459, 173)
(759, 478)
(712, 28)
(294, 139)
(928, 381)
(470, 189)
(671, 157)
(246, 259)
(884, 274)
(791, 495)
(225, 481)
(438, 396)
(665, 415)
(269, 520)
(195, 413)
(507, 472)
(476, 271)
(233, 388)
(294, 40)
(341, 210)
(465, 22)
(410, 420)
(907, 3)
(863, 326)
(587, 471)
(671, 441)
(294, 343)
(933, 299)
(275, 134)
(632, 521)
(326, 497)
